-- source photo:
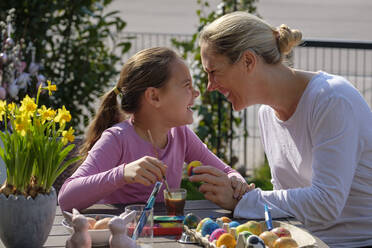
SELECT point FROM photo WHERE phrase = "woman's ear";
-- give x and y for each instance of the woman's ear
(250, 60)
(151, 96)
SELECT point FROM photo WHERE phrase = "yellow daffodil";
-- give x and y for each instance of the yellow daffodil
(2, 109)
(12, 107)
(46, 114)
(68, 136)
(28, 106)
(51, 87)
(22, 123)
(35, 130)
(63, 116)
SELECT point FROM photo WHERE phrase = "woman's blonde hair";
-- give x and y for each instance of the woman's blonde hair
(236, 32)
(147, 68)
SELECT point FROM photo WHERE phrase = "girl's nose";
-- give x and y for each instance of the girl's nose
(196, 93)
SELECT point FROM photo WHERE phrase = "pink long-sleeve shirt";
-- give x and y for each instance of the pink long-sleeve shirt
(100, 178)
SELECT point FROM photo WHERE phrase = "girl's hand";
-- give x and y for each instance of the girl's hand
(146, 170)
(240, 187)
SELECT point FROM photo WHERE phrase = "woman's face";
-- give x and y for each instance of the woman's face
(226, 78)
(178, 95)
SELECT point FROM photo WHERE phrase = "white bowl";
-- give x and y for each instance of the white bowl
(100, 237)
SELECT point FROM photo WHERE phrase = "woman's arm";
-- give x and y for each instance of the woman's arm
(197, 150)
(335, 135)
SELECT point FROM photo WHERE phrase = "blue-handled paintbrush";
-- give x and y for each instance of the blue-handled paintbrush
(149, 205)
(269, 222)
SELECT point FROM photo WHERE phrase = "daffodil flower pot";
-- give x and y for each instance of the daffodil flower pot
(26, 222)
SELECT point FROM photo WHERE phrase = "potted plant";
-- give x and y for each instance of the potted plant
(35, 144)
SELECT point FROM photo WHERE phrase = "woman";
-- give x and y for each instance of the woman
(315, 128)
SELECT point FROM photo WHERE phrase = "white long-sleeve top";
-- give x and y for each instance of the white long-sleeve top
(321, 164)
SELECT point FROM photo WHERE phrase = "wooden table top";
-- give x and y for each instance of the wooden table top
(202, 208)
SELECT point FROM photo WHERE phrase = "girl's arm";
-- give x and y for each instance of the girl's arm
(103, 172)
(97, 177)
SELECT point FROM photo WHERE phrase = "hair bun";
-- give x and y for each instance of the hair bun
(288, 38)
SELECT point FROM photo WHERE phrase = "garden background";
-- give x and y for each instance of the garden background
(82, 44)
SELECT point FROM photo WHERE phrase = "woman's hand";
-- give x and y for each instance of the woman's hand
(216, 187)
(146, 170)
(240, 187)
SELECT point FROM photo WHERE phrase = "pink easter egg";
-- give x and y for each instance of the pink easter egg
(216, 234)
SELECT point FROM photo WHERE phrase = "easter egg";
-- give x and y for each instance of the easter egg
(227, 240)
(245, 234)
(254, 241)
(242, 228)
(234, 224)
(91, 222)
(102, 223)
(285, 242)
(191, 220)
(199, 227)
(281, 232)
(216, 234)
(268, 238)
(254, 227)
(225, 219)
(208, 227)
(191, 166)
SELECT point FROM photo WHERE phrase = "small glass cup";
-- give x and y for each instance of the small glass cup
(175, 201)
(147, 234)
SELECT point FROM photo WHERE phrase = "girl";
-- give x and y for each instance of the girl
(121, 160)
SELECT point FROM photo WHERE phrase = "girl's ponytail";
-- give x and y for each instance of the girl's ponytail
(109, 113)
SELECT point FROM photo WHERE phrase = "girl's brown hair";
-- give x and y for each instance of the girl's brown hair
(147, 68)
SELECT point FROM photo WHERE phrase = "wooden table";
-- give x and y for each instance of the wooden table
(202, 208)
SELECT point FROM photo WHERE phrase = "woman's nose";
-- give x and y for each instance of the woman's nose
(211, 83)
(210, 86)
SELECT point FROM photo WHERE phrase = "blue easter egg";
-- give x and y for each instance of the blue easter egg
(208, 227)
(191, 220)
(234, 224)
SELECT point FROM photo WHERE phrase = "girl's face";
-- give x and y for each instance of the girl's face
(178, 96)
(228, 79)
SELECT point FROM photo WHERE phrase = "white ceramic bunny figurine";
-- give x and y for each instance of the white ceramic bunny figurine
(80, 237)
(118, 228)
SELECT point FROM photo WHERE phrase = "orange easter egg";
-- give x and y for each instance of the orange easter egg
(285, 242)
(225, 219)
(269, 238)
(226, 239)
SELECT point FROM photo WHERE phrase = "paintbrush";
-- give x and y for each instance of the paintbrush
(149, 205)
(157, 156)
